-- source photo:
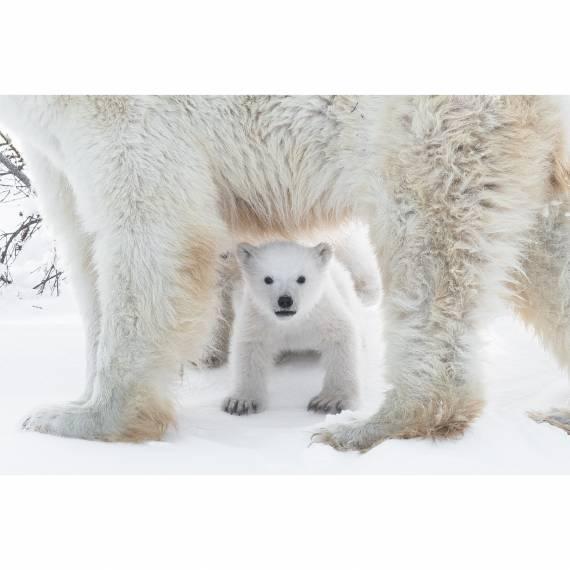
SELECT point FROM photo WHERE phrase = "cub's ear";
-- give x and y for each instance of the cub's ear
(245, 252)
(323, 253)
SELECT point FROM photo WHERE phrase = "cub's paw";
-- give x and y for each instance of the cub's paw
(240, 407)
(326, 404)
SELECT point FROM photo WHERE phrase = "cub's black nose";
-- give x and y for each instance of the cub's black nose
(285, 302)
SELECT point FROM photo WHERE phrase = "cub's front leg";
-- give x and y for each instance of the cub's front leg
(251, 357)
(340, 357)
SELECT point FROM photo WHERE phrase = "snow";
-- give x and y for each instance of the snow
(42, 363)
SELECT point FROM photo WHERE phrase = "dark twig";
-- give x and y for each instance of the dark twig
(15, 171)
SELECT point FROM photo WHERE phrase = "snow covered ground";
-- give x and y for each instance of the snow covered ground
(41, 345)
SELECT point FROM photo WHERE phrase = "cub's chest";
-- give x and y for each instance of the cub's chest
(302, 335)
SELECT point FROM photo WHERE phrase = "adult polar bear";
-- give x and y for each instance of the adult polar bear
(146, 191)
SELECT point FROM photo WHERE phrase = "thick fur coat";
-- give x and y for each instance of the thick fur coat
(146, 192)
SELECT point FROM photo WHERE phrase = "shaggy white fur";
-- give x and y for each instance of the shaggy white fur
(148, 191)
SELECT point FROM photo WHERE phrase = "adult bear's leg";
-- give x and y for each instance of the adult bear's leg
(151, 209)
(541, 294)
(465, 177)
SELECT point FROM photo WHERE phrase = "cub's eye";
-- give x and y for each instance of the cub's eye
(301, 279)
(268, 280)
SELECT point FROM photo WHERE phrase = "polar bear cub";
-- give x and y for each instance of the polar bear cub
(294, 298)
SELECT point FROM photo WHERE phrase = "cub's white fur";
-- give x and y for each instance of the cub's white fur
(294, 298)
(147, 192)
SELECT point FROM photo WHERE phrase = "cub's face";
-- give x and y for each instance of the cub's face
(284, 279)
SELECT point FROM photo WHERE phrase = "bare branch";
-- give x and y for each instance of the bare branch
(15, 185)
(15, 171)
(51, 278)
